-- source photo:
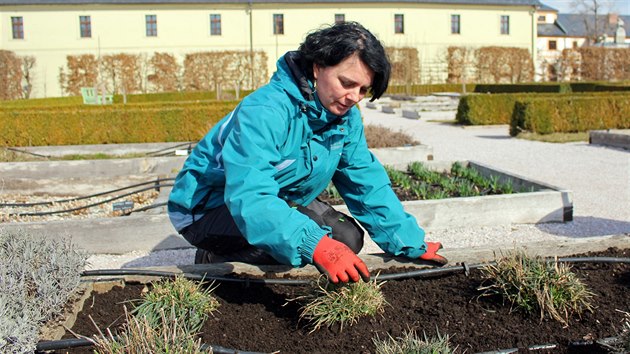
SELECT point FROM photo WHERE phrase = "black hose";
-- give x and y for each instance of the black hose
(90, 205)
(168, 149)
(155, 182)
(28, 152)
(152, 206)
(86, 342)
(409, 274)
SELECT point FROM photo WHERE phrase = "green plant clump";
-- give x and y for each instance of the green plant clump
(411, 343)
(140, 336)
(534, 284)
(188, 301)
(38, 275)
(341, 304)
(166, 320)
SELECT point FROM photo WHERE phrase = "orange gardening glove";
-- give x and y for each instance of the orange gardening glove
(338, 262)
(431, 254)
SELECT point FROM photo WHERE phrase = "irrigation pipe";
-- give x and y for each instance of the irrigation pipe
(86, 342)
(91, 205)
(155, 182)
(408, 274)
(166, 151)
(27, 152)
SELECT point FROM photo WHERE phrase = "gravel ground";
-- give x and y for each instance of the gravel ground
(598, 176)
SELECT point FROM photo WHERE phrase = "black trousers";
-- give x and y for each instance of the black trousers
(217, 232)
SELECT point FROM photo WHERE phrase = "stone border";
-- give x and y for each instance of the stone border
(613, 138)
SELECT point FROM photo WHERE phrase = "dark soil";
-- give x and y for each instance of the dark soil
(255, 318)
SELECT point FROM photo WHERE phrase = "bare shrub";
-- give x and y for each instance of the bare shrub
(380, 137)
(80, 71)
(10, 76)
(165, 73)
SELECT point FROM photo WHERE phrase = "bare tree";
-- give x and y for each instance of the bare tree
(596, 15)
(28, 63)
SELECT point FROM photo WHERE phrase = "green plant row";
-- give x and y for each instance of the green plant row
(421, 183)
(116, 124)
(425, 184)
(570, 114)
(481, 109)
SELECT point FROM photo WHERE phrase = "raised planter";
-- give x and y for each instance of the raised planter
(546, 203)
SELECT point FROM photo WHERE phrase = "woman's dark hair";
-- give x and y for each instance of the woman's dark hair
(331, 45)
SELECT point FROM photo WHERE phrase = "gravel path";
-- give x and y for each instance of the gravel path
(598, 176)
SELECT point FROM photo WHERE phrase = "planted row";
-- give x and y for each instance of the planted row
(419, 182)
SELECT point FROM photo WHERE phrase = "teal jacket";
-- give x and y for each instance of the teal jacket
(280, 145)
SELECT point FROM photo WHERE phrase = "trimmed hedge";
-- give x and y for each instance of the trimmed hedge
(484, 109)
(570, 114)
(111, 124)
(419, 90)
(552, 87)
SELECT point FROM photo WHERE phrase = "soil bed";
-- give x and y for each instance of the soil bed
(255, 318)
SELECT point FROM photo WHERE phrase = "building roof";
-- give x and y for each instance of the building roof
(578, 25)
(135, 2)
(545, 7)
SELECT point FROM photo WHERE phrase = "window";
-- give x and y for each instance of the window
(151, 22)
(17, 25)
(85, 25)
(215, 25)
(542, 18)
(552, 45)
(278, 24)
(505, 24)
(340, 18)
(455, 24)
(399, 23)
(575, 45)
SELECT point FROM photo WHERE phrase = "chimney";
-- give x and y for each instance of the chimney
(612, 18)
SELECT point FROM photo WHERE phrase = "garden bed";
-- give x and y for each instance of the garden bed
(258, 318)
(535, 202)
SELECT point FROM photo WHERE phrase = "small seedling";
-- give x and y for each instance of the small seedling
(334, 304)
(534, 284)
(410, 342)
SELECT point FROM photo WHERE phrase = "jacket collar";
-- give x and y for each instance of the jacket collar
(296, 84)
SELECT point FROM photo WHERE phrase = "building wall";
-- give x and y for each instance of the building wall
(52, 32)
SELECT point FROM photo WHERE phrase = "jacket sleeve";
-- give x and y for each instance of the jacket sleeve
(365, 187)
(250, 154)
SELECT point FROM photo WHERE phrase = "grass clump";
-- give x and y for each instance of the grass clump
(140, 336)
(412, 343)
(332, 304)
(187, 301)
(38, 276)
(534, 284)
(166, 320)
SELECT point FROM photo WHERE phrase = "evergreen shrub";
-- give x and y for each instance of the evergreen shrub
(111, 124)
(571, 114)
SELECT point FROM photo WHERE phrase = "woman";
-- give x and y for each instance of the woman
(248, 190)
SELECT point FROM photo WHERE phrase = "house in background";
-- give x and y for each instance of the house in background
(49, 30)
(557, 31)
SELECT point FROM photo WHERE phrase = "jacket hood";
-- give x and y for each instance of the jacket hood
(296, 84)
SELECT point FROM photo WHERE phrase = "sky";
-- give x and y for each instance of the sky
(564, 6)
